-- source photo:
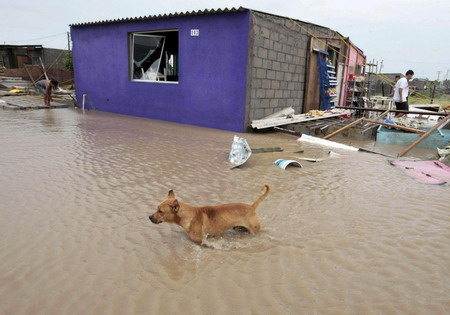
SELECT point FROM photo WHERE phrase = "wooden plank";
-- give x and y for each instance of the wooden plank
(312, 92)
(423, 137)
(344, 128)
(396, 126)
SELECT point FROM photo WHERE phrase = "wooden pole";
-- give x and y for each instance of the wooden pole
(29, 74)
(378, 117)
(43, 68)
(423, 137)
(344, 128)
(396, 126)
(393, 111)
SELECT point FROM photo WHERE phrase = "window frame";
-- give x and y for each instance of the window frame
(131, 54)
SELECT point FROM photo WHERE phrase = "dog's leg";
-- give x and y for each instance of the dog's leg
(196, 229)
(196, 237)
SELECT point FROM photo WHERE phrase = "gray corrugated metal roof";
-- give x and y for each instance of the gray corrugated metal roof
(161, 16)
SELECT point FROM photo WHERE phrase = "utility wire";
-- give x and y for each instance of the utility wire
(27, 40)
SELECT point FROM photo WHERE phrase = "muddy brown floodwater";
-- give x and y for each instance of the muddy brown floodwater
(349, 235)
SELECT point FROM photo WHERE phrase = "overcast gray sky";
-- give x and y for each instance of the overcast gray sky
(412, 34)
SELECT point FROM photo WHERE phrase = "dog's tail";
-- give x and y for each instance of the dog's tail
(263, 196)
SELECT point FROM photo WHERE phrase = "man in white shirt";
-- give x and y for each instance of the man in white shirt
(401, 92)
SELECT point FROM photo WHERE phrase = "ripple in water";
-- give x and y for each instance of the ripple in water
(351, 234)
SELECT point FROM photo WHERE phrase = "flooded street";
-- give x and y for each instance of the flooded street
(349, 235)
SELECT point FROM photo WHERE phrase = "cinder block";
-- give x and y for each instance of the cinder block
(278, 93)
(274, 36)
(291, 86)
(276, 65)
(262, 52)
(260, 93)
(288, 76)
(261, 73)
(256, 83)
(270, 93)
(255, 103)
(286, 94)
(257, 62)
(275, 84)
(282, 103)
(289, 58)
(265, 103)
(268, 111)
(287, 49)
(267, 64)
(277, 46)
(292, 68)
(279, 75)
(271, 74)
(283, 85)
(258, 113)
(281, 57)
(266, 84)
(285, 67)
(272, 55)
(265, 32)
(302, 78)
(291, 41)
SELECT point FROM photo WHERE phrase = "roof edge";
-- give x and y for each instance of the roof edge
(161, 16)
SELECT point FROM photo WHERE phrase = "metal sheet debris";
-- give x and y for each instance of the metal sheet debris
(285, 163)
(240, 151)
(286, 117)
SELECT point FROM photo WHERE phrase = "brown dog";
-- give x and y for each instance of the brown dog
(210, 220)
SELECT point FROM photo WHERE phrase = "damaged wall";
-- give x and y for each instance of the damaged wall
(277, 64)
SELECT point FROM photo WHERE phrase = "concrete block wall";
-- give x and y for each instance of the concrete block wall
(277, 63)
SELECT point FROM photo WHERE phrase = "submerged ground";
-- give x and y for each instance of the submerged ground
(346, 235)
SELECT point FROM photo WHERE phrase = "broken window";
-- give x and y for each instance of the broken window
(154, 56)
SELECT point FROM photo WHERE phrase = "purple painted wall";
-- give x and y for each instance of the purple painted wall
(212, 70)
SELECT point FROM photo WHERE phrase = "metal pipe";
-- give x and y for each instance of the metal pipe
(84, 100)
(392, 111)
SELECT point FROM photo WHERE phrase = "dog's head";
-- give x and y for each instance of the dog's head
(167, 210)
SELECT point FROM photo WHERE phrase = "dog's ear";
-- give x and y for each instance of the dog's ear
(175, 206)
(171, 194)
